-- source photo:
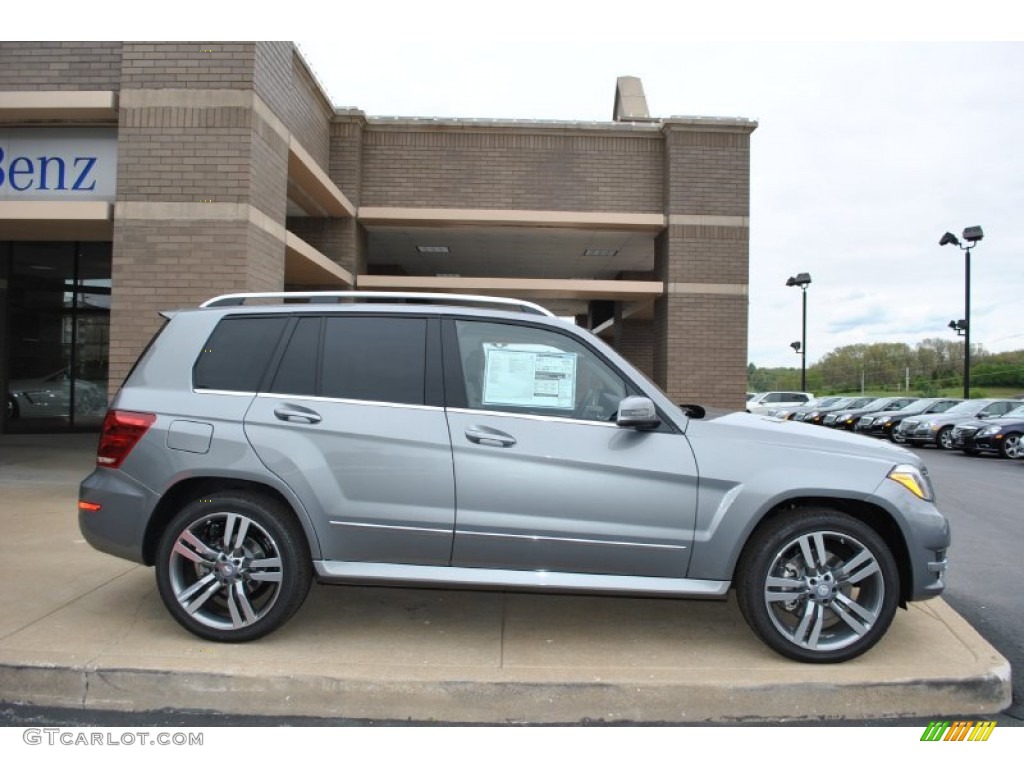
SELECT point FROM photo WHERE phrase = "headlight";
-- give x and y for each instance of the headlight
(988, 431)
(914, 480)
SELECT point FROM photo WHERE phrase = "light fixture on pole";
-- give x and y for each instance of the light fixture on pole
(802, 280)
(973, 235)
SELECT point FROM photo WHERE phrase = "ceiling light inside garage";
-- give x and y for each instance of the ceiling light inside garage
(605, 252)
(432, 249)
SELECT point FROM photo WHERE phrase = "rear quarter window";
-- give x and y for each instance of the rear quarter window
(236, 355)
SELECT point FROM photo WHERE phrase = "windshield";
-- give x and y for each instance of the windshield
(918, 406)
(966, 408)
(822, 402)
(860, 402)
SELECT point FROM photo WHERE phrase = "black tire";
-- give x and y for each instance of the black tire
(944, 439)
(233, 566)
(818, 612)
(1012, 447)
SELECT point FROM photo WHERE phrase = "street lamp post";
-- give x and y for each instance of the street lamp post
(802, 280)
(973, 235)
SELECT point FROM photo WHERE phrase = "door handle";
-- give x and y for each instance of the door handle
(297, 414)
(488, 436)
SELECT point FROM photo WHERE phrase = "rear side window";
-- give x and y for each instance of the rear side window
(380, 359)
(236, 355)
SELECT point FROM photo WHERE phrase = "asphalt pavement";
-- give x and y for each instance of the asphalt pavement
(83, 630)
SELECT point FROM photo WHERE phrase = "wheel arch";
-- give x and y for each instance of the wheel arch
(192, 488)
(875, 516)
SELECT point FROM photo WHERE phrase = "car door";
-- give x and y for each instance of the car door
(544, 478)
(353, 422)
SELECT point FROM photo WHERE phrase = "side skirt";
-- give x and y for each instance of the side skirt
(339, 572)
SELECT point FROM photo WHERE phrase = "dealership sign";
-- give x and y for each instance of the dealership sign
(58, 163)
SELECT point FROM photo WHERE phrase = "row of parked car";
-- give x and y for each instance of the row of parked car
(981, 425)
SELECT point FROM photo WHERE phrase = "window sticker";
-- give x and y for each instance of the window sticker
(529, 378)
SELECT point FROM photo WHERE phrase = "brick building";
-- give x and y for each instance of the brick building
(137, 177)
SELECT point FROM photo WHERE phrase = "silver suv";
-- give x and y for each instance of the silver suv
(464, 441)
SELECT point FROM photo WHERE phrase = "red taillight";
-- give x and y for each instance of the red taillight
(121, 431)
(88, 506)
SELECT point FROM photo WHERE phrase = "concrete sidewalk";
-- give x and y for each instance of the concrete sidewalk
(82, 629)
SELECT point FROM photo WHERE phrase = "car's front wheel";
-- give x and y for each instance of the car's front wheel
(233, 566)
(1011, 447)
(945, 438)
(818, 585)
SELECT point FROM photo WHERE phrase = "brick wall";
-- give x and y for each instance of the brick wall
(708, 172)
(60, 66)
(346, 163)
(705, 338)
(282, 79)
(188, 65)
(706, 254)
(343, 241)
(440, 167)
(180, 154)
(268, 169)
(635, 342)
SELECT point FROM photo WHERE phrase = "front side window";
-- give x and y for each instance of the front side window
(520, 369)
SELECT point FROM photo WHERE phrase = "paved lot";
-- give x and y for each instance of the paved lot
(81, 629)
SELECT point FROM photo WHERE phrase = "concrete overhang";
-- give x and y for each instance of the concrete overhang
(311, 188)
(445, 217)
(304, 265)
(56, 220)
(522, 288)
(58, 106)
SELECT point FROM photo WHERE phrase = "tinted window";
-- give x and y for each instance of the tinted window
(375, 358)
(235, 356)
(296, 375)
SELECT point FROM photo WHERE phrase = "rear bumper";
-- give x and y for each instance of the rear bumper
(118, 527)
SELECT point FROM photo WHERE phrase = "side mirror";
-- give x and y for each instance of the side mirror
(638, 413)
(693, 410)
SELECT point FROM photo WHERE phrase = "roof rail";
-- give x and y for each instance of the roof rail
(339, 297)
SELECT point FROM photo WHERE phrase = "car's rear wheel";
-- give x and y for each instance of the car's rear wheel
(233, 566)
(818, 585)
(1011, 447)
(945, 438)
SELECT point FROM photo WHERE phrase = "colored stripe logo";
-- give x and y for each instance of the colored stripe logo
(959, 730)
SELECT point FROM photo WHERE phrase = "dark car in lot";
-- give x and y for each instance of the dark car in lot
(818, 415)
(796, 412)
(884, 423)
(937, 428)
(1002, 435)
(847, 418)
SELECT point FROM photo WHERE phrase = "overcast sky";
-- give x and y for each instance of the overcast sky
(864, 155)
(866, 152)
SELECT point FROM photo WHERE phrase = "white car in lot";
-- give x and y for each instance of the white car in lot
(767, 402)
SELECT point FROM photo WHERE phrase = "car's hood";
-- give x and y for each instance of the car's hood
(887, 414)
(980, 423)
(794, 434)
(943, 418)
